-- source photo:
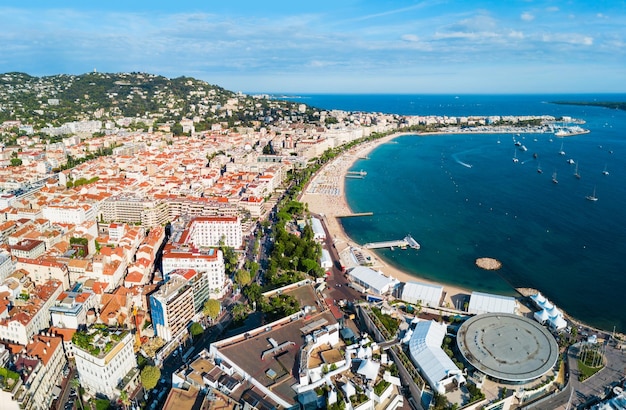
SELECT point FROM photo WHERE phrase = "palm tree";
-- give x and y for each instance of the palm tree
(75, 383)
(124, 398)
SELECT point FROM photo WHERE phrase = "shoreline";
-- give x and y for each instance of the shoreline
(325, 195)
(331, 202)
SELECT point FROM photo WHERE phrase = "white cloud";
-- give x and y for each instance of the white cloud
(516, 34)
(411, 38)
(568, 38)
(552, 9)
(526, 16)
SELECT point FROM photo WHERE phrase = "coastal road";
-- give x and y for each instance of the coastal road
(592, 389)
(337, 282)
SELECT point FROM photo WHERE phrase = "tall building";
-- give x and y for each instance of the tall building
(172, 308)
(105, 361)
(41, 365)
(209, 263)
(133, 209)
(212, 231)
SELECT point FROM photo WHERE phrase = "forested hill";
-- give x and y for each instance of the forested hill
(54, 100)
(606, 104)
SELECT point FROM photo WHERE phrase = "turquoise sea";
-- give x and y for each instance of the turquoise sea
(548, 236)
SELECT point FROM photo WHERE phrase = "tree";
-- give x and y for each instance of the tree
(196, 329)
(253, 292)
(240, 312)
(177, 129)
(242, 277)
(75, 383)
(16, 162)
(150, 376)
(124, 398)
(212, 308)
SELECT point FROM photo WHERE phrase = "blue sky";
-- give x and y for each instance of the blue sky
(351, 46)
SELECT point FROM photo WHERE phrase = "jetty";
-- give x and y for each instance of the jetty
(406, 242)
(356, 174)
(355, 215)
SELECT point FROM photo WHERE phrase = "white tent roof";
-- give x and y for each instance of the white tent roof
(369, 369)
(541, 316)
(553, 312)
(487, 303)
(558, 322)
(538, 298)
(426, 293)
(425, 349)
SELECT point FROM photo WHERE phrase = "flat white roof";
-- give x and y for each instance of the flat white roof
(318, 229)
(427, 293)
(325, 256)
(426, 351)
(488, 303)
(373, 279)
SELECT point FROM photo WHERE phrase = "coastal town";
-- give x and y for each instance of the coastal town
(173, 245)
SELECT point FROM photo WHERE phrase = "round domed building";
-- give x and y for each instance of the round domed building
(507, 348)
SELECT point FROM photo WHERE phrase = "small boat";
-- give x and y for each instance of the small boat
(518, 143)
(535, 155)
(576, 174)
(571, 161)
(539, 170)
(561, 152)
(554, 180)
(605, 172)
(515, 157)
(523, 148)
(593, 196)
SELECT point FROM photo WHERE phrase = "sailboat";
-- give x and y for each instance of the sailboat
(593, 196)
(576, 174)
(554, 180)
(515, 157)
(561, 152)
(605, 172)
(539, 171)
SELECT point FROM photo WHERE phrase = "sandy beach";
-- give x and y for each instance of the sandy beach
(325, 195)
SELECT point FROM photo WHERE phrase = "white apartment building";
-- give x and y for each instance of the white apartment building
(41, 365)
(210, 230)
(135, 209)
(28, 248)
(29, 317)
(209, 263)
(172, 308)
(6, 265)
(70, 309)
(68, 214)
(112, 362)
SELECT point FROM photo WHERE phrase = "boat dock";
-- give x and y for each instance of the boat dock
(406, 242)
(356, 174)
(355, 215)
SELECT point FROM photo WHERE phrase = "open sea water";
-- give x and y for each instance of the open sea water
(548, 236)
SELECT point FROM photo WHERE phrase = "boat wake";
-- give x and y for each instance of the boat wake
(458, 161)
